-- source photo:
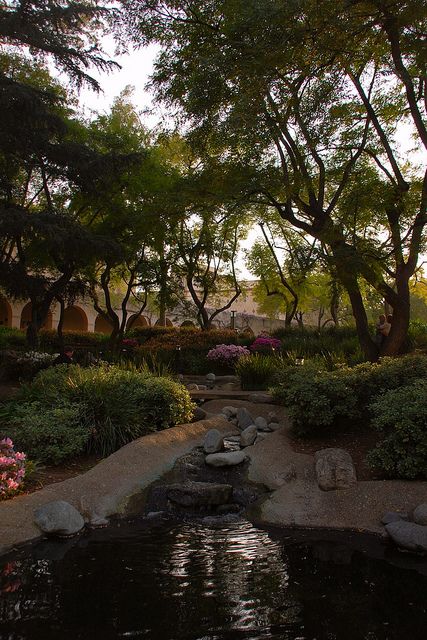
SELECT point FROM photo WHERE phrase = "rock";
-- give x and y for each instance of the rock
(260, 437)
(408, 535)
(97, 522)
(228, 386)
(226, 459)
(289, 473)
(155, 515)
(420, 514)
(213, 442)
(211, 377)
(393, 516)
(261, 398)
(199, 494)
(334, 469)
(233, 439)
(202, 387)
(228, 508)
(198, 414)
(193, 386)
(261, 423)
(58, 518)
(272, 417)
(226, 379)
(225, 411)
(232, 411)
(244, 418)
(273, 426)
(248, 436)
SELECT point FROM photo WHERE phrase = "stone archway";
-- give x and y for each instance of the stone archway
(5, 313)
(102, 325)
(75, 319)
(188, 323)
(141, 321)
(26, 318)
(169, 323)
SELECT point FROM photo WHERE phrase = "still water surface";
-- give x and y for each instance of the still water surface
(190, 581)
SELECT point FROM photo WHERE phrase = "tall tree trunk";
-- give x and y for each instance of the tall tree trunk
(162, 292)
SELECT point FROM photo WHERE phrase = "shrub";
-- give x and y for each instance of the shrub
(50, 435)
(318, 398)
(114, 405)
(49, 339)
(227, 354)
(257, 371)
(265, 344)
(10, 338)
(16, 365)
(402, 415)
(12, 469)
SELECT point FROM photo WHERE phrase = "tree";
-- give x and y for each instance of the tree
(44, 165)
(301, 94)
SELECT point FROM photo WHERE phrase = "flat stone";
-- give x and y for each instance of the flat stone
(273, 426)
(408, 535)
(213, 441)
(248, 436)
(58, 518)
(193, 386)
(199, 494)
(393, 516)
(225, 459)
(420, 514)
(244, 418)
(98, 522)
(272, 417)
(334, 469)
(261, 398)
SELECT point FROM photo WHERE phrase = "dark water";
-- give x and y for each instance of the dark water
(197, 582)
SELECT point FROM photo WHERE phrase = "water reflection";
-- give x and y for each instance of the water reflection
(193, 582)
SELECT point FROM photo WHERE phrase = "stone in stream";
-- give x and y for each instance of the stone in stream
(244, 418)
(420, 514)
(261, 424)
(58, 518)
(199, 494)
(393, 516)
(334, 469)
(248, 436)
(229, 411)
(408, 535)
(213, 442)
(226, 459)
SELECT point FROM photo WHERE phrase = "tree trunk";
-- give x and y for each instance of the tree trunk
(396, 341)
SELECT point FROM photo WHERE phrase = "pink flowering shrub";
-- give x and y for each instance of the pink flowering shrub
(227, 354)
(12, 469)
(265, 344)
(130, 343)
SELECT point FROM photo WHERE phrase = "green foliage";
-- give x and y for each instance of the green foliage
(257, 371)
(309, 342)
(402, 415)
(49, 339)
(10, 338)
(49, 435)
(319, 399)
(114, 405)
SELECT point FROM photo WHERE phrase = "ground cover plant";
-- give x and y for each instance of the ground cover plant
(69, 410)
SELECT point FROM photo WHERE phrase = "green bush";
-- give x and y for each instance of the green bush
(318, 398)
(115, 405)
(402, 415)
(49, 435)
(49, 339)
(10, 338)
(257, 371)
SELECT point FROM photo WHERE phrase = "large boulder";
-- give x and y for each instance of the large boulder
(244, 418)
(248, 436)
(261, 424)
(334, 469)
(199, 494)
(226, 459)
(408, 535)
(213, 442)
(58, 518)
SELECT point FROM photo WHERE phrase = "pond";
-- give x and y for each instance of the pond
(198, 581)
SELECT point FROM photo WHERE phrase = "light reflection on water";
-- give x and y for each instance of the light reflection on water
(194, 582)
